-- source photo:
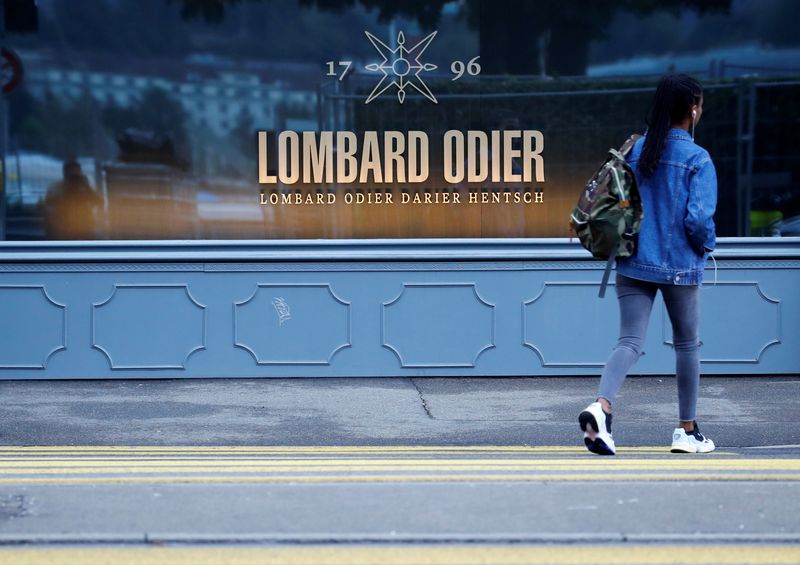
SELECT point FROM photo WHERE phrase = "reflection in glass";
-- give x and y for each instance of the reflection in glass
(139, 119)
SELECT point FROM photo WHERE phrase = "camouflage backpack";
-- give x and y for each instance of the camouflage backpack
(609, 212)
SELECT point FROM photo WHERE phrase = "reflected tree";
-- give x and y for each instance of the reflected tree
(32, 124)
(524, 37)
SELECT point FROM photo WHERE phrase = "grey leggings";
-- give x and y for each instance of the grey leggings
(635, 303)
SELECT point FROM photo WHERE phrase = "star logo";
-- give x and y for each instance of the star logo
(404, 66)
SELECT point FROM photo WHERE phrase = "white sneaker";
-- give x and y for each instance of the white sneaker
(693, 442)
(596, 425)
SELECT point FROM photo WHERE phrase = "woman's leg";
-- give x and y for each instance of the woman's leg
(683, 307)
(635, 300)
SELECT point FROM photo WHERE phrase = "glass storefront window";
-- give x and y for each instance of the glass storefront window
(140, 119)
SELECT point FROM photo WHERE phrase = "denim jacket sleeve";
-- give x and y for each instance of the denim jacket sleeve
(702, 204)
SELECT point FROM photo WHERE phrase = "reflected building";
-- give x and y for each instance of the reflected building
(213, 91)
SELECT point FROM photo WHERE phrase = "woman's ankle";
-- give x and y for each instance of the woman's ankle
(604, 404)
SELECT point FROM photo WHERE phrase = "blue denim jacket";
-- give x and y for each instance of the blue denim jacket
(679, 200)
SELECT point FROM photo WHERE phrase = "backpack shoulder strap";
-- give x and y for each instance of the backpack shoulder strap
(626, 147)
(607, 272)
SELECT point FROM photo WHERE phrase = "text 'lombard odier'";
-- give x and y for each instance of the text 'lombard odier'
(509, 156)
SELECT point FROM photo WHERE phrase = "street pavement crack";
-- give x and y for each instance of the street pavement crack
(422, 399)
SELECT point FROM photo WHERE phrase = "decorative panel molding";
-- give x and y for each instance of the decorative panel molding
(148, 326)
(565, 324)
(438, 325)
(33, 327)
(292, 324)
(752, 322)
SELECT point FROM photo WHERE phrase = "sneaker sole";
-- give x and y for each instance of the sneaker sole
(687, 450)
(598, 446)
(601, 448)
(587, 419)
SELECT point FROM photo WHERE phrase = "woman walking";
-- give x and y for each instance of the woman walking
(678, 187)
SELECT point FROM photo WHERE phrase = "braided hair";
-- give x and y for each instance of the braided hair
(675, 95)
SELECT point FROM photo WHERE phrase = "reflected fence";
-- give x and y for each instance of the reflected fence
(748, 126)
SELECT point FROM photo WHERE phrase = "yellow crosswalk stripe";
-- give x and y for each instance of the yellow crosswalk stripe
(459, 554)
(350, 467)
(314, 454)
(187, 464)
(572, 463)
(319, 449)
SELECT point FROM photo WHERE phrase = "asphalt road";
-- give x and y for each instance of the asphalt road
(392, 471)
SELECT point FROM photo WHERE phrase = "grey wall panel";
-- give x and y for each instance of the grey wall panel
(148, 326)
(368, 308)
(438, 324)
(33, 326)
(292, 324)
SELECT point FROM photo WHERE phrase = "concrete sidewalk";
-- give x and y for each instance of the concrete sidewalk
(734, 411)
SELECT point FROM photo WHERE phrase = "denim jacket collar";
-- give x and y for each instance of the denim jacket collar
(678, 133)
